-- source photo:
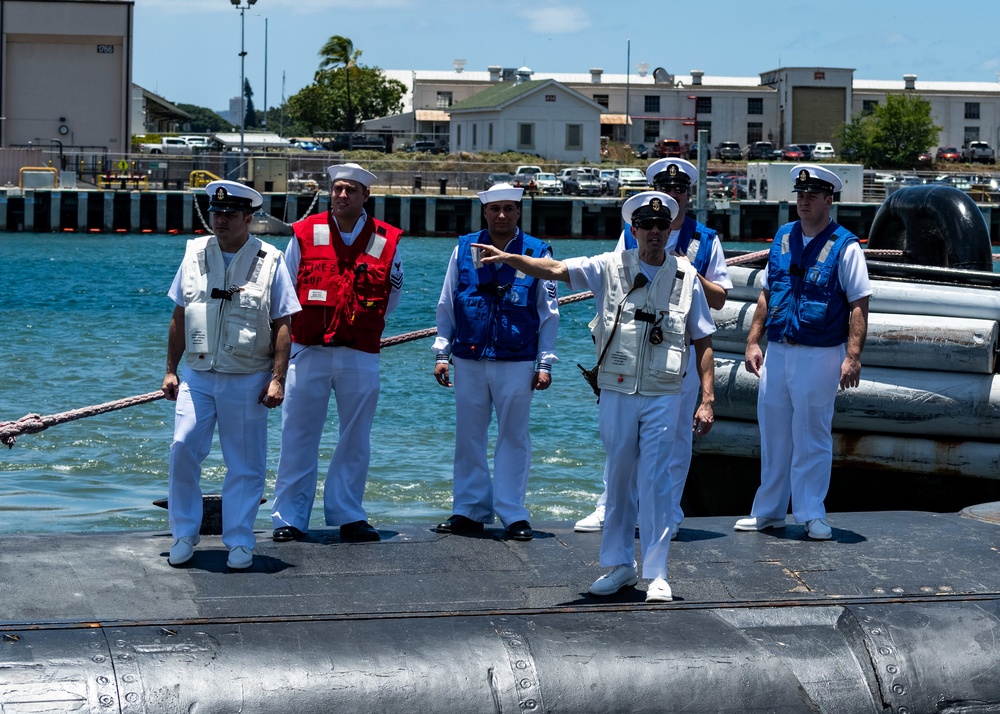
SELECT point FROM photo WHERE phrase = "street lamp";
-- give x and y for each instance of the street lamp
(243, 56)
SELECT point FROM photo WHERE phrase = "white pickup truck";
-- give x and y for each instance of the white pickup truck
(168, 145)
(979, 151)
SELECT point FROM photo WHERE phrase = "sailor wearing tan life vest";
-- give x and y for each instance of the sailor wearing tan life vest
(348, 275)
(650, 307)
(233, 301)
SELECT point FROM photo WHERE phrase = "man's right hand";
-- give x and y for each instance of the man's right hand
(754, 359)
(441, 374)
(170, 386)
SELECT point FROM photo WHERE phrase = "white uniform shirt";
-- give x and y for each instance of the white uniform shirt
(588, 274)
(546, 302)
(284, 299)
(293, 257)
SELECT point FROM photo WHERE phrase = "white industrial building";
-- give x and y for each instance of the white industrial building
(785, 106)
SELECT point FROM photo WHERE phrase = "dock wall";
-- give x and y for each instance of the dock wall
(44, 211)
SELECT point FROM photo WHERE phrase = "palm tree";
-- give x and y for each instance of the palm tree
(339, 52)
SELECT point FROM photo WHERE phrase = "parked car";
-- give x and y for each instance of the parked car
(692, 152)
(356, 142)
(667, 147)
(428, 147)
(739, 188)
(823, 151)
(807, 150)
(604, 176)
(948, 153)
(924, 158)
(792, 153)
(548, 184)
(640, 151)
(761, 150)
(714, 188)
(579, 182)
(521, 170)
(626, 179)
(494, 179)
(305, 145)
(728, 151)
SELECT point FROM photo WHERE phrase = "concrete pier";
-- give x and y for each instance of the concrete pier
(547, 217)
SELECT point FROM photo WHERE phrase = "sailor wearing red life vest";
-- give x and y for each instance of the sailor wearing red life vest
(348, 276)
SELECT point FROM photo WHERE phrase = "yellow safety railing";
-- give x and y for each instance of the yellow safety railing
(37, 170)
(201, 178)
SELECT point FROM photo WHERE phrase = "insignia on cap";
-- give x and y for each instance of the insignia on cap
(656, 203)
(803, 176)
(672, 170)
(220, 194)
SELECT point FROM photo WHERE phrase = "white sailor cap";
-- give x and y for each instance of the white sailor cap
(351, 172)
(232, 196)
(501, 192)
(649, 204)
(671, 172)
(810, 177)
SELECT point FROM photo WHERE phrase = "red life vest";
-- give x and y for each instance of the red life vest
(344, 289)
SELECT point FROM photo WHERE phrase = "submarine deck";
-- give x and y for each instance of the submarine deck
(123, 577)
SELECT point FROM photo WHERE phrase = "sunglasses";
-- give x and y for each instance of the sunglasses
(647, 223)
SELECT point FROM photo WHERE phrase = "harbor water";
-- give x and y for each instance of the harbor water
(86, 323)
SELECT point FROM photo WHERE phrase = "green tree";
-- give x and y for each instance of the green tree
(893, 135)
(339, 52)
(250, 117)
(204, 120)
(323, 107)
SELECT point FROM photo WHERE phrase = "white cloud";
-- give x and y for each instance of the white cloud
(555, 19)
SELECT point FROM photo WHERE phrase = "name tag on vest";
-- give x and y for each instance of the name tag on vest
(316, 296)
(375, 245)
(321, 235)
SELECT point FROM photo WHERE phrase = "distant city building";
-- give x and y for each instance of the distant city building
(789, 105)
(48, 47)
(236, 112)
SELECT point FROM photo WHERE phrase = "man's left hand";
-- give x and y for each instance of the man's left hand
(541, 380)
(704, 418)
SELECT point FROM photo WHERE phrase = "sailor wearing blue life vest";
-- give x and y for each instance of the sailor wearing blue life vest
(699, 245)
(814, 300)
(650, 308)
(499, 326)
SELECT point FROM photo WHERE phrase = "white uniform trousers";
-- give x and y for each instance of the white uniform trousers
(204, 399)
(680, 459)
(313, 372)
(636, 431)
(798, 386)
(481, 385)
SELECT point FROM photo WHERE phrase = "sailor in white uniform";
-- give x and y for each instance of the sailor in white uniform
(698, 244)
(234, 300)
(651, 308)
(500, 327)
(814, 311)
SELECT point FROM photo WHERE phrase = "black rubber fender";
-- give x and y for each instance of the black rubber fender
(933, 225)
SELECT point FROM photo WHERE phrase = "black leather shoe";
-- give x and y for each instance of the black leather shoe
(287, 533)
(459, 524)
(520, 530)
(358, 532)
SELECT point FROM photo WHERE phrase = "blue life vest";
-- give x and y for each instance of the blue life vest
(807, 306)
(496, 317)
(690, 230)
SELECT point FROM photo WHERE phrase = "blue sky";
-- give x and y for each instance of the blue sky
(188, 50)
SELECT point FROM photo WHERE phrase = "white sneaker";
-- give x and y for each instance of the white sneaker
(659, 591)
(819, 529)
(753, 523)
(182, 549)
(240, 558)
(593, 523)
(611, 582)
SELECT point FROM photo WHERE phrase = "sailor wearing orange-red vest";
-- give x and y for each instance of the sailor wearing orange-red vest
(348, 276)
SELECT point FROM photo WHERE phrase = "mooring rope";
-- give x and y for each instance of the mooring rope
(34, 423)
